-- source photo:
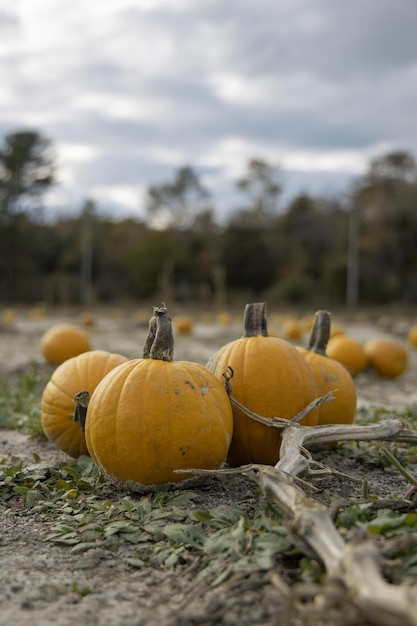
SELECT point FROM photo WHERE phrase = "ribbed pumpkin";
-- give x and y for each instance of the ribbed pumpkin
(387, 355)
(64, 341)
(80, 373)
(330, 375)
(271, 378)
(347, 351)
(151, 416)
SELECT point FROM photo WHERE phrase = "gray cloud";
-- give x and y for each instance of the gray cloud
(129, 95)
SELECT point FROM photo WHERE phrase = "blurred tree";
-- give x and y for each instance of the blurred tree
(177, 203)
(115, 244)
(385, 201)
(248, 250)
(247, 257)
(26, 171)
(86, 261)
(157, 264)
(307, 237)
(210, 273)
(393, 167)
(262, 184)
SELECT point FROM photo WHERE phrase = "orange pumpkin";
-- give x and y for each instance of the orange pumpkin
(387, 355)
(184, 324)
(271, 378)
(292, 328)
(347, 351)
(80, 373)
(330, 375)
(412, 335)
(64, 341)
(152, 416)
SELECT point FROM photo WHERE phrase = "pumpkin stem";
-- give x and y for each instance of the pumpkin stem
(159, 343)
(320, 333)
(228, 375)
(82, 398)
(254, 320)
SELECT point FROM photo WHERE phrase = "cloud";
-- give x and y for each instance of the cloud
(128, 92)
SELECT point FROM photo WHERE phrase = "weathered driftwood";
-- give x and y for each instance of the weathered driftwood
(296, 438)
(354, 567)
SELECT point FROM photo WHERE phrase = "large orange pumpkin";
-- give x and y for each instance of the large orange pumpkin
(80, 373)
(330, 375)
(152, 416)
(64, 341)
(270, 378)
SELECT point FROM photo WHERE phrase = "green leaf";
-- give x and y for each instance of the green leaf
(204, 517)
(184, 534)
(32, 498)
(184, 498)
(387, 522)
(135, 562)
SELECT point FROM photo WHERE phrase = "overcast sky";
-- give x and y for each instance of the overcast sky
(129, 91)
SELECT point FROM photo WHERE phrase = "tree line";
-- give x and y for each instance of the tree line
(357, 249)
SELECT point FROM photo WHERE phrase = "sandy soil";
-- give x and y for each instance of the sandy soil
(40, 583)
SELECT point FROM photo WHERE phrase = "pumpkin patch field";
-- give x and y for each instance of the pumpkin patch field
(100, 527)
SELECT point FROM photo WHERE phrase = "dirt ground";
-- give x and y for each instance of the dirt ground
(40, 581)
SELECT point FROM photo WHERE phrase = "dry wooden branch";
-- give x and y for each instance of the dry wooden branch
(355, 566)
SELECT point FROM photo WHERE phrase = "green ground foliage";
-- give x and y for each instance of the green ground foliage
(180, 527)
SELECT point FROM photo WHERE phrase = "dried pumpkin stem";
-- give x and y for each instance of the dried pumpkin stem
(159, 342)
(320, 333)
(82, 398)
(254, 320)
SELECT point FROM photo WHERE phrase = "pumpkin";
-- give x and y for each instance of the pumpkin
(347, 351)
(64, 341)
(412, 335)
(9, 316)
(87, 318)
(184, 324)
(224, 319)
(37, 313)
(330, 375)
(80, 373)
(153, 415)
(336, 329)
(292, 328)
(386, 355)
(271, 378)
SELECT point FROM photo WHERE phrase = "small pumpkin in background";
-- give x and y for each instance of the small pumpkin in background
(347, 351)
(80, 373)
(336, 330)
(412, 335)
(64, 341)
(37, 313)
(224, 319)
(271, 378)
(153, 415)
(87, 318)
(330, 375)
(387, 355)
(184, 324)
(9, 316)
(292, 328)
